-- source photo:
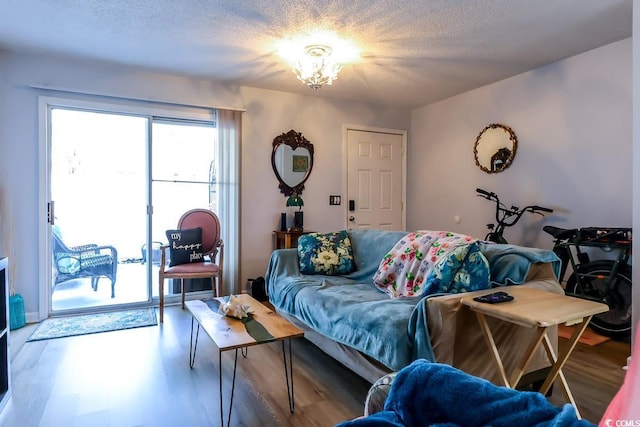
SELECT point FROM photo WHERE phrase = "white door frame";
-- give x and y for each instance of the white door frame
(44, 244)
(345, 164)
(44, 193)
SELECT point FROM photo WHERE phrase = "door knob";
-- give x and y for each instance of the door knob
(352, 218)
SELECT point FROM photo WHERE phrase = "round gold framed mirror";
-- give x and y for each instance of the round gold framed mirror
(292, 161)
(495, 148)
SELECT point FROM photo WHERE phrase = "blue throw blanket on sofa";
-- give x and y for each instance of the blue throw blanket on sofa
(432, 394)
(349, 309)
(510, 264)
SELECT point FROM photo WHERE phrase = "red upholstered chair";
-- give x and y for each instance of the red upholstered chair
(212, 249)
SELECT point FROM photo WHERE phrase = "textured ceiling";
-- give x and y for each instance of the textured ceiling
(412, 52)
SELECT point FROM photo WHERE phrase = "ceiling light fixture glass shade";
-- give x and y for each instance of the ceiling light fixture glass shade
(315, 67)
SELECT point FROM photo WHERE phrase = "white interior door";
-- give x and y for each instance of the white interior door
(375, 179)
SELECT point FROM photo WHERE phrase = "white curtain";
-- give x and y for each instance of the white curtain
(229, 142)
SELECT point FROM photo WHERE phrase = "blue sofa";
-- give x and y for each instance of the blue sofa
(372, 334)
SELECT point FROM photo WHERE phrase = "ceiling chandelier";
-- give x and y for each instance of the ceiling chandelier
(315, 67)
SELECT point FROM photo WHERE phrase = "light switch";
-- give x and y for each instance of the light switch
(334, 200)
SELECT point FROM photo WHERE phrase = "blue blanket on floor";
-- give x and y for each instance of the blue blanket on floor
(432, 394)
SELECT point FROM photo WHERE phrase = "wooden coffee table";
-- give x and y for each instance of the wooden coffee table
(535, 308)
(229, 333)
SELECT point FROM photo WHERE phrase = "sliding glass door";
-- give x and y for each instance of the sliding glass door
(117, 183)
(98, 188)
(183, 177)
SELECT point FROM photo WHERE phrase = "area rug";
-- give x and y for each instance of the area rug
(589, 336)
(59, 327)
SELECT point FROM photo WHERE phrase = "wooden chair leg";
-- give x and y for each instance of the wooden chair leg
(161, 298)
(183, 291)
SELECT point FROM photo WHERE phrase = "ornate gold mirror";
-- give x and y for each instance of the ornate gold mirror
(495, 148)
(292, 161)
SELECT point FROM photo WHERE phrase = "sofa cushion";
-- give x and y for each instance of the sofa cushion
(390, 331)
(369, 247)
(329, 254)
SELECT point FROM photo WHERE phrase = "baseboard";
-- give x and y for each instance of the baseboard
(32, 317)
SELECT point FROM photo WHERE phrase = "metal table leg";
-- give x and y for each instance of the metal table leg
(288, 371)
(193, 345)
(233, 386)
(288, 374)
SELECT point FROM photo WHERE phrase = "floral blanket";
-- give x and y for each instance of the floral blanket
(428, 262)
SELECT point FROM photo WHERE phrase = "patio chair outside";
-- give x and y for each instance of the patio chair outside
(90, 260)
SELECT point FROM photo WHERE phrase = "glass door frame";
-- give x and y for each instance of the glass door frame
(144, 109)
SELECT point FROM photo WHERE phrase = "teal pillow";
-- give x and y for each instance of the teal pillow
(464, 269)
(329, 254)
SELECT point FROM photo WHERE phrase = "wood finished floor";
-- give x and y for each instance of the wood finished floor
(141, 377)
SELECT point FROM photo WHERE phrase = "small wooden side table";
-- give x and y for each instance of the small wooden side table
(289, 238)
(534, 308)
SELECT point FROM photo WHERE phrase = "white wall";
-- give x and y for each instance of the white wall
(577, 151)
(268, 114)
(574, 127)
(320, 121)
